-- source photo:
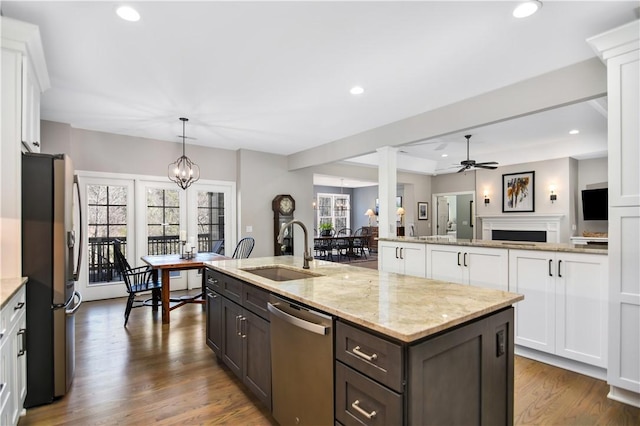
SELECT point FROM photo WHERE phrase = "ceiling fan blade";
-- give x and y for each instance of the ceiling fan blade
(462, 169)
(486, 163)
(482, 166)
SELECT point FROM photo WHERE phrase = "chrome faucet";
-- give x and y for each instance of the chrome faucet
(307, 254)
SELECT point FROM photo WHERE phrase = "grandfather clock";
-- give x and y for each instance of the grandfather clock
(283, 206)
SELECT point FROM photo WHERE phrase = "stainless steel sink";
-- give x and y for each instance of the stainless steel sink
(281, 273)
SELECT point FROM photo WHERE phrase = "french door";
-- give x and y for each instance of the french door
(146, 215)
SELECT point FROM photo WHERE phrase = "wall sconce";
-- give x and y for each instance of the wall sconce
(553, 196)
(369, 213)
(486, 198)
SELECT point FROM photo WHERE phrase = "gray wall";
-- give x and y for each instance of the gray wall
(261, 177)
(107, 152)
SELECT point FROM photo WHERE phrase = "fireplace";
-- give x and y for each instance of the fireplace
(534, 228)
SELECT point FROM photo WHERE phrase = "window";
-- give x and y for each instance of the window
(211, 221)
(334, 209)
(106, 221)
(163, 221)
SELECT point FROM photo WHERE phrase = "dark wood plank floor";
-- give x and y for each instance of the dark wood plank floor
(165, 374)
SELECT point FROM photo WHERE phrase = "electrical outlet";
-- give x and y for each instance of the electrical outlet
(249, 228)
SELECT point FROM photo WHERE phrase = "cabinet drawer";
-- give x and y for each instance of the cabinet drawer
(12, 310)
(361, 401)
(377, 358)
(212, 280)
(255, 299)
(227, 286)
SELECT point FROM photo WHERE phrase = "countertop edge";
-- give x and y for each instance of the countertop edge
(9, 287)
(555, 247)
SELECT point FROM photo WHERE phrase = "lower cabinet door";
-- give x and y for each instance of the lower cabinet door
(214, 322)
(361, 401)
(257, 356)
(231, 336)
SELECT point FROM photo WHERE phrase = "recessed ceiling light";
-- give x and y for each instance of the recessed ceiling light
(527, 8)
(445, 155)
(574, 132)
(128, 13)
(356, 90)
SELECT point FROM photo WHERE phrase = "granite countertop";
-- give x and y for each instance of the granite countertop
(399, 306)
(520, 245)
(9, 287)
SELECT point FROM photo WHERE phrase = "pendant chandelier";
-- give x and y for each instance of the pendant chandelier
(183, 171)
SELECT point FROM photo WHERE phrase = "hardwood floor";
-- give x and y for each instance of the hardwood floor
(165, 374)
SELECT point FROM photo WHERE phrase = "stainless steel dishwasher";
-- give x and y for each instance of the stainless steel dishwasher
(301, 364)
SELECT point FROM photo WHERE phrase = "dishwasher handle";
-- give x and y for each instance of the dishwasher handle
(298, 322)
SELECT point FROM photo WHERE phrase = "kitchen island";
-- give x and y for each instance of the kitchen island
(408, 350)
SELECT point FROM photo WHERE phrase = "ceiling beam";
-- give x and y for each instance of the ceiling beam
(576, 83)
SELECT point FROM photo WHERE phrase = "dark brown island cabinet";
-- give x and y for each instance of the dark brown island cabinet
(460, 376)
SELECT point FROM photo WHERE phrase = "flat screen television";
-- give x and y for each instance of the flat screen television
(595, 204)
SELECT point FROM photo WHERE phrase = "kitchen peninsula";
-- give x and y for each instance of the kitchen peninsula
(408, 350)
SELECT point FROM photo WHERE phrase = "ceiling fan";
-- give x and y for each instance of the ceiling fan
(467, 164)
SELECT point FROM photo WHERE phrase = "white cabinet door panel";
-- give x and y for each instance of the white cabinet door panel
(530, 274)
(581, 307)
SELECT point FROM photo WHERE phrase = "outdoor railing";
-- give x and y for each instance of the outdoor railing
(101, 259)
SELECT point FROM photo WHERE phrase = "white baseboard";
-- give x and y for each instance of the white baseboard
(624, 396)
(557, 361)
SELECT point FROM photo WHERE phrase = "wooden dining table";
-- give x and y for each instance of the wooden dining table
(173, 262)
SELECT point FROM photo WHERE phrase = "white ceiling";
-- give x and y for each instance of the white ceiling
(275, 76)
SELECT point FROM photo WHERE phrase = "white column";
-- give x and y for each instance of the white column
(387, 187)
(620, 50)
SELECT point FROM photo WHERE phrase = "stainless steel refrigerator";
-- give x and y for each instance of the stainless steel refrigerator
(51, 261)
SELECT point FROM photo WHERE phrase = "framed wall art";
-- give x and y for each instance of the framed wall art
(423, 211)
(518, 192)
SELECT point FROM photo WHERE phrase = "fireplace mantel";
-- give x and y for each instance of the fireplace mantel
(523, 222)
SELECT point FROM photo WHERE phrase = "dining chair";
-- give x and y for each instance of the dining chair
(244, 248)
(361, 243)
(136, 280)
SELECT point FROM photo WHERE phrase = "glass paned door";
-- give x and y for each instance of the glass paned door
(163, 221)
(108, 212)
(161, 214)
(211, 222)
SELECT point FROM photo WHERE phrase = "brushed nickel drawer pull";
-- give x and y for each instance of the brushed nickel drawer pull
(356, 406)
(361, 354)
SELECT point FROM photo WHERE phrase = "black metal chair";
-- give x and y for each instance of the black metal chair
(244, 248)
(361, 243)
(137, 280)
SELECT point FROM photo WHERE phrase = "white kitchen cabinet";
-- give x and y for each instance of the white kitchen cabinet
(30, 107)
(564, 311)
(402, 258)
(22, 62)
(619, 48)
(13, 371)
(477, 266)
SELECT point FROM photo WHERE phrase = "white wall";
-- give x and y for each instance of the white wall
(552, 172)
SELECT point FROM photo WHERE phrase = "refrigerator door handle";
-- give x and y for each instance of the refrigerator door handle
(77, 306)
(76, 273)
